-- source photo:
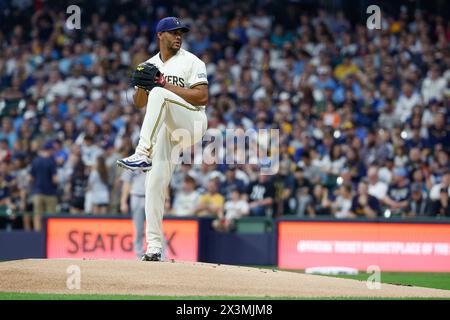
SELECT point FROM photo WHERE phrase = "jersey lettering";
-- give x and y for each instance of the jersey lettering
(176, 81)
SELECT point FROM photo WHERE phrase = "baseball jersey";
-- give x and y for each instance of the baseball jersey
(183, 70)
(136, 180)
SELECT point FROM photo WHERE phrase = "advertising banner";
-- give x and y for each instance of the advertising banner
(104, 238)
(390, 246)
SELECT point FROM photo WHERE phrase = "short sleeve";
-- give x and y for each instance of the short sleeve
(198, 74)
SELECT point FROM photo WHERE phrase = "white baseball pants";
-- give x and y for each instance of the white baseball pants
(170, 125)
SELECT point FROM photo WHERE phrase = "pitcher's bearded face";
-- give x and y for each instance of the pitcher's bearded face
(172, 40)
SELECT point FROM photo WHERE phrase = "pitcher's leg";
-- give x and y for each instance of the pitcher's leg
(156, 183)
(164, 106)
(159, 104)
(155, 115)
(186, 125)
(154, 118)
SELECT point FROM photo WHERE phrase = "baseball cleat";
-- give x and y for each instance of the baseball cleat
(151, 257)
(135, 162)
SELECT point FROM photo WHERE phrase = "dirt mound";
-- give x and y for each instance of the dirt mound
(185, 279)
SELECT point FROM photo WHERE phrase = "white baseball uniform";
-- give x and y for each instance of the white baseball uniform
(167, 112)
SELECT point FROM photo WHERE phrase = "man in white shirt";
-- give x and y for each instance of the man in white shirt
(377, 188)
(177, 102)
(235, 208)
(186, 200)
(434, 85)
(406, 102)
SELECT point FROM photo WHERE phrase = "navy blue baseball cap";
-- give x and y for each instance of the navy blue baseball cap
(171, 23)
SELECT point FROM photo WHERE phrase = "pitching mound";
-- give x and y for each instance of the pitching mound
(186, 279)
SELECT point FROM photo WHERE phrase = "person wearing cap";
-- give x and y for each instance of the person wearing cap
(399, 192)
(178, 102)
(419, 205)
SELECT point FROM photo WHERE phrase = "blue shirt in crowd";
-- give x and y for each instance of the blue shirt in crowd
(42, 171)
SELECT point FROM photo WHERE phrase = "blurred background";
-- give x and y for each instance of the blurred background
(363, 114)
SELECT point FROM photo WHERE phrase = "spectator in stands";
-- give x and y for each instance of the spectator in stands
(414, 161)
(341, 206)
(438, 132)
(234, 209)
(310, 171)
(260, 195)
(44, 180)
(301, 190)
(231, 182)
(334, 165)
(206, 173)
(97, 197)
(407, 101)
(211, 202)
(439, 166)
(418, 206)
(284, 184)
(433, 85)
(445, 196)
(377, 188)
(23, 200)
(77, 187)
(385, 170)
(418, 177)
(363, 204)
(439, 195)
(388, 119)
(399, 192)
(353, 165)
(319, 203)
(6, 184)
(179, 176)
(90, 151)
(187, 199)
(7, 131)
(5, 152)
(347, 67)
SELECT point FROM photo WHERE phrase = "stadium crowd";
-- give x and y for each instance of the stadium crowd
(363, 114)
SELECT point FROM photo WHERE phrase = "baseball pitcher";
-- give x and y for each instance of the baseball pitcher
(174, 87)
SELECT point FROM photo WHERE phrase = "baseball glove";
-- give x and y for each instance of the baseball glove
(147, 76)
